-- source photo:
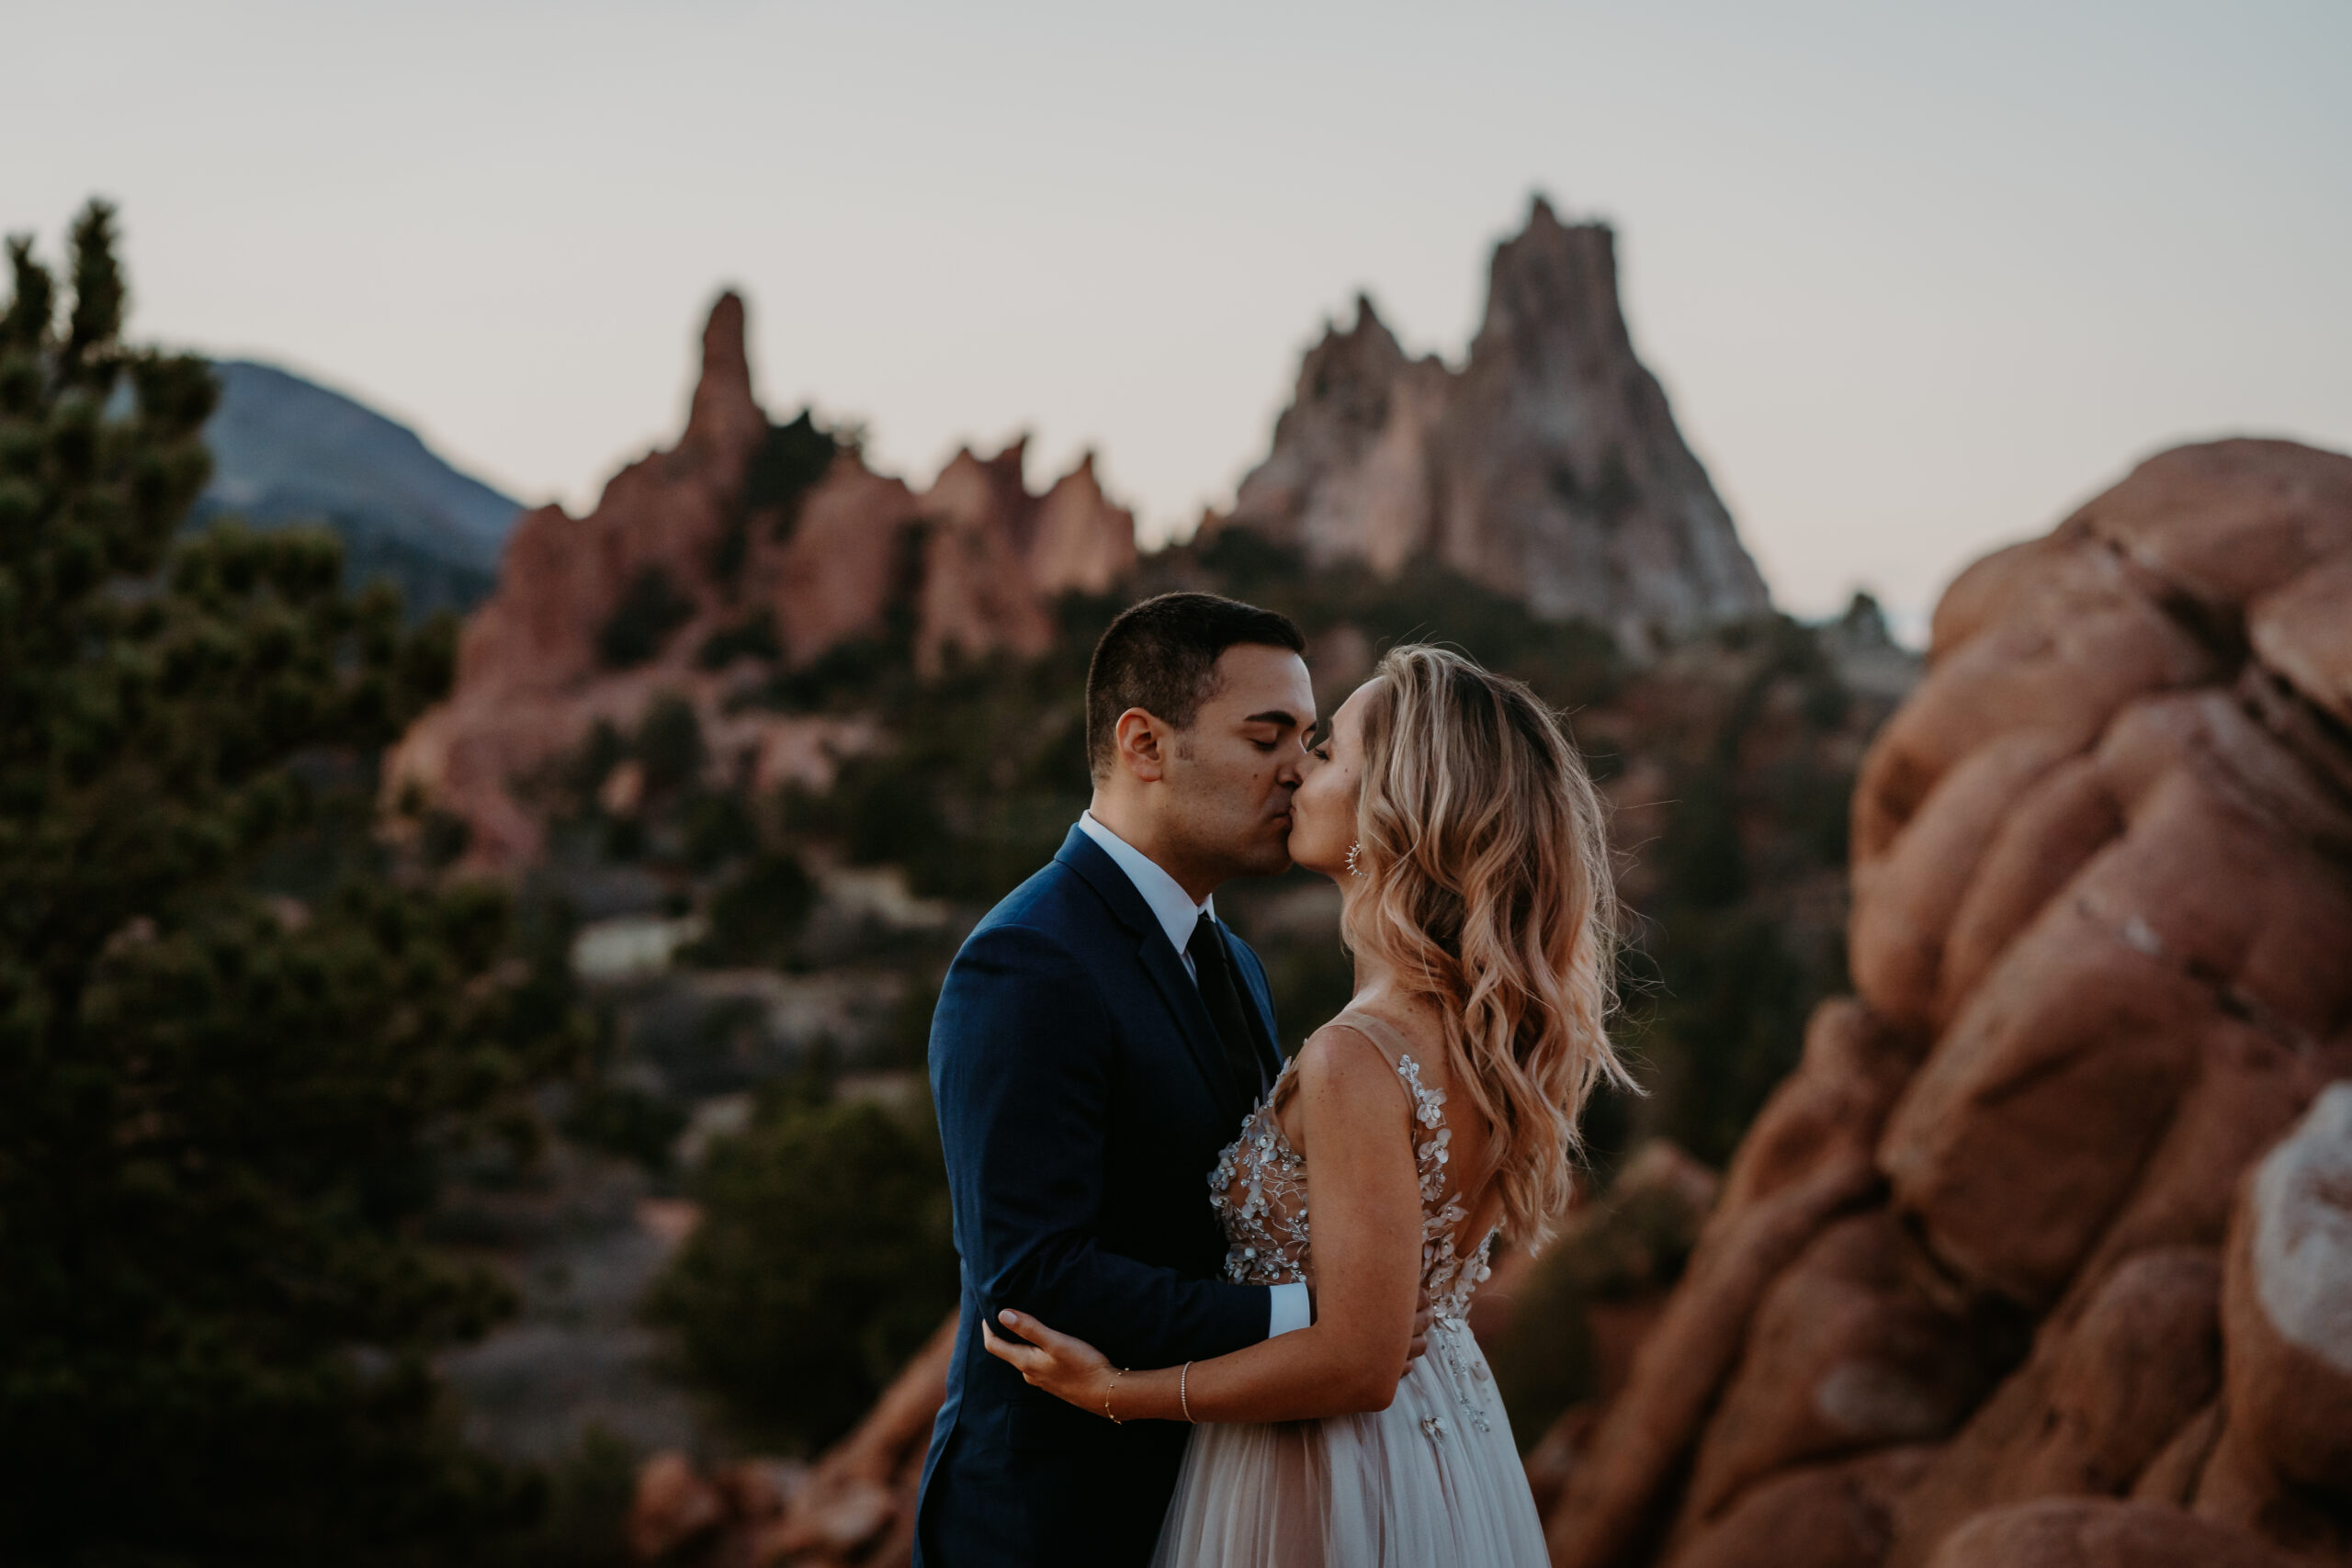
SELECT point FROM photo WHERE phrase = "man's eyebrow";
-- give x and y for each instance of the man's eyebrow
(1275, 716)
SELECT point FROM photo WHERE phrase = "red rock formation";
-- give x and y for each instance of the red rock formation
(1549, 468)
(845, 563)
(1977, 1278)
(854, 1505)
(2282, 1463)
(979, 559)
(2086, 1532)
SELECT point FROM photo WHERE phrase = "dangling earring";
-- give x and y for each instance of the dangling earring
(1353, 869)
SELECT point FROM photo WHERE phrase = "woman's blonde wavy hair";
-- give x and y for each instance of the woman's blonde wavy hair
(1487, 890)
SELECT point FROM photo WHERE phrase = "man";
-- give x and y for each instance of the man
(1099, 1039)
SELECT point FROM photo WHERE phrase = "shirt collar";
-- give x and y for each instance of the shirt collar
(1169, 904)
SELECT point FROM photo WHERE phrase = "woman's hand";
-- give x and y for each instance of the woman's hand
(1068, 1369)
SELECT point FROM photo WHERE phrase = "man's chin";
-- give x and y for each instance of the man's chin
(1269, 860)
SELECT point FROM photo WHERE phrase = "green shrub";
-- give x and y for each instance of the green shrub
(755, 915)
(624, 1121)
(822, 1262)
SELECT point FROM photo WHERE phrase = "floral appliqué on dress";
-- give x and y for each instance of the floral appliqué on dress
(1259, 1191)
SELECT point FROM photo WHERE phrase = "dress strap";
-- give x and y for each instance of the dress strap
(1394, 1049)
(1424, 1105)
(1386, 1037)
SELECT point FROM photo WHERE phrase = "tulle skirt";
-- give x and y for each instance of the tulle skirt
(1433, 1480)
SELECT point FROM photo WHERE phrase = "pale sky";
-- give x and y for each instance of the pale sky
(1917, 279)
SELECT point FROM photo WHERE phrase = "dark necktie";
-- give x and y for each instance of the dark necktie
(1213, 969)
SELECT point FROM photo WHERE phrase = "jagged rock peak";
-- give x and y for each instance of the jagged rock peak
(724, 419)
(595, 616)
(1346, 378)
(1555, 275)
(1549, 468)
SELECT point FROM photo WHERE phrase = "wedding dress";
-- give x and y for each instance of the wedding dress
(1433, 1480)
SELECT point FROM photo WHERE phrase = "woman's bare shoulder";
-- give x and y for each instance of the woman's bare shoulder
(1342, 1058)
(1341, 1084)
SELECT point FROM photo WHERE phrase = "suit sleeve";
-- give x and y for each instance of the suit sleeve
(1021, 1074)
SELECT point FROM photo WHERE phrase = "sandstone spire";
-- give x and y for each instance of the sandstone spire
(1549, 468)
(724, 419)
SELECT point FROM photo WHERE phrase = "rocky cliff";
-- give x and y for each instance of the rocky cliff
(746, 550)
(2044, 1256)
(1548, 468)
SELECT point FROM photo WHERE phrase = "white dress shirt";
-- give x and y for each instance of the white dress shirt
(1178, 915)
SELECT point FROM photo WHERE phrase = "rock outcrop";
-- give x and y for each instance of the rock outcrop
(2003, 1273)
(856, 1505)
(659, 590)
(1549, 468)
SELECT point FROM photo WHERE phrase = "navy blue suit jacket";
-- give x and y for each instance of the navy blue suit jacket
(1084, 1099)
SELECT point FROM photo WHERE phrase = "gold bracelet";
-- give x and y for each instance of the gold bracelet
(1184, 1401)
(1116, 1374)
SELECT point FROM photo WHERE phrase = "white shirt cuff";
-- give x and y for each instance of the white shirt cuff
(1291, 1309)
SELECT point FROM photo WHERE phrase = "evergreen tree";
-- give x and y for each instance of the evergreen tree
(220, 1111)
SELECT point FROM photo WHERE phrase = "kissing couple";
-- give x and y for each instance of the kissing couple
(1158, 1361)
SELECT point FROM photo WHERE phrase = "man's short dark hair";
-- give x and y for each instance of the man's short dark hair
(1160, 656)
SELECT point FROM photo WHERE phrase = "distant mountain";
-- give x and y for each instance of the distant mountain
(286, 450)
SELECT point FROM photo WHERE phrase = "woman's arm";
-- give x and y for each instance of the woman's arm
(1354, 1127)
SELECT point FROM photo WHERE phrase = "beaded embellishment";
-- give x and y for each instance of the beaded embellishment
(1259, 1188)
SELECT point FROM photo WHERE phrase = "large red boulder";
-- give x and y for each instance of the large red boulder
(1806, 1160)
(2283, 1465)
(2101, 1398)
(2102, 872)
(856, 1505)
(1852, 1348)
(2214, 913)
(2083, 1532)
(1828, 1515)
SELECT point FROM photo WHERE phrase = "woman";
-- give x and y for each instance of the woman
(1439, 1107)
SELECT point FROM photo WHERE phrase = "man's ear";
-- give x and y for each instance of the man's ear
(1139, 746)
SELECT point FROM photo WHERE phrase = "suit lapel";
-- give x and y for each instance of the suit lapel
(1160, 960)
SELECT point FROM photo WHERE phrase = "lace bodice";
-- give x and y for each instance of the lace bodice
(1260, 1190)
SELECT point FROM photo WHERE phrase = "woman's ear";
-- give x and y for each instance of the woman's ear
(1139, 746)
